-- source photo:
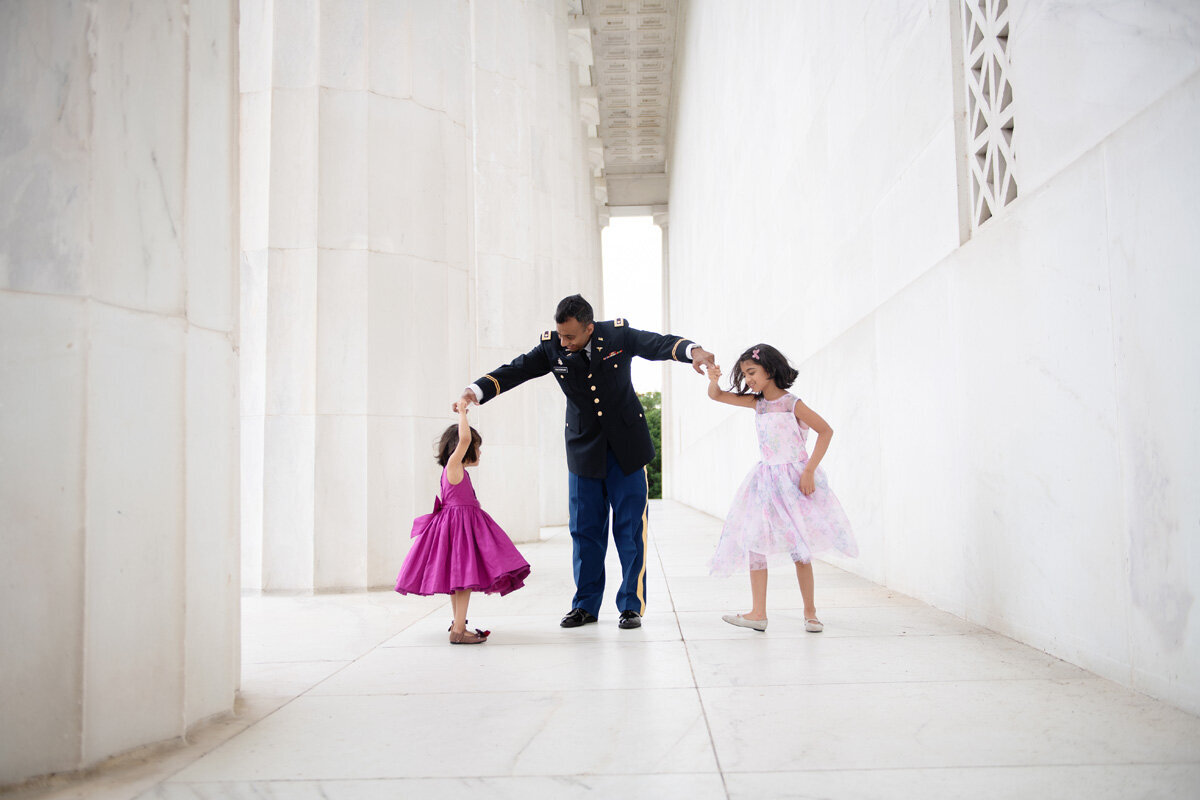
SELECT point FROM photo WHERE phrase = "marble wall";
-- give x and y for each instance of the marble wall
(415, 198)
(1015, 410)
(118, 377)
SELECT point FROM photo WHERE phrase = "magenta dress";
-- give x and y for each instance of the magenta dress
(459, 546)
(770, 516)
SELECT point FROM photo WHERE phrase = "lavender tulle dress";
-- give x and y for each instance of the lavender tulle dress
(459, 546)
(770, 516)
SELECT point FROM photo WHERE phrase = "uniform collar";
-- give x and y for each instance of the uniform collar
(590, 347)
(598, 332)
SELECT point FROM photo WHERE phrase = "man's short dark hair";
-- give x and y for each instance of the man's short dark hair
(574, 306)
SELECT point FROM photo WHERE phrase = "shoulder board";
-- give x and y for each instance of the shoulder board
(546, 336)
(619, 322)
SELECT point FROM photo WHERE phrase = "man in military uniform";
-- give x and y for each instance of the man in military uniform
(608, 443)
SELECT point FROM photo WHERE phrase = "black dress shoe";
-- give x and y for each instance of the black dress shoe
(630, 619)
(577, 617)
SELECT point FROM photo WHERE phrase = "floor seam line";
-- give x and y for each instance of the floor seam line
(692, 668)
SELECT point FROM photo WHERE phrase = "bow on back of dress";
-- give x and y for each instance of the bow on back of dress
(422, 522)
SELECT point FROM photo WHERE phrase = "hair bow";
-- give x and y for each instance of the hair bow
(754, 355)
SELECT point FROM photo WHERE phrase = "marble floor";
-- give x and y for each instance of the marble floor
(359, 697)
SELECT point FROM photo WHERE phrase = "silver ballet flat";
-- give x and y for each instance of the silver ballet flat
(742, 622)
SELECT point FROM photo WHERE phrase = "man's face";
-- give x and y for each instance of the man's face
(574, 336)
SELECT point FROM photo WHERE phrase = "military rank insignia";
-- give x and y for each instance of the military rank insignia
(619, 322)
(546, 336)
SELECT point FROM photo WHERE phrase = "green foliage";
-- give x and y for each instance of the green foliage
(652, 404)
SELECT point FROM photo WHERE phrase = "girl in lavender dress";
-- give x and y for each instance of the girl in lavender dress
(459, 548)
(784, 506)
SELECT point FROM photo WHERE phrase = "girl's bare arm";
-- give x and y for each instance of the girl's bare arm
(454, 466)
(716, 393)
(824, 433)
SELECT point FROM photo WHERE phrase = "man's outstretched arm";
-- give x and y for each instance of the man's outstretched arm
(657, 347)
(533, 364)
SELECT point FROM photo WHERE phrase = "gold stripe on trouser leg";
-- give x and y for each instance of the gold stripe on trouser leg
(641, 582)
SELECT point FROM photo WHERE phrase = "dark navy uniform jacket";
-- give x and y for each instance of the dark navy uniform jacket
(603, 410)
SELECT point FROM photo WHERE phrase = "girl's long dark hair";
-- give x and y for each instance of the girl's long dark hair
(449, 442)
(773, 362)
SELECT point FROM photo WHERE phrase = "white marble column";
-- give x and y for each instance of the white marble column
(420, 229)
(536, 242)
(255, 34)
(291, 328)
(365, 211)
(340, 402)
(427, 206)
(118, 377)
(670, 442)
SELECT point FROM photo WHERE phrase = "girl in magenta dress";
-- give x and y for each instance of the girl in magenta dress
(784, 507)
(459, 548)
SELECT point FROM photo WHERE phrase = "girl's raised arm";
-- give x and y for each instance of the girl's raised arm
(808, 481)
(454, 465)
(715, 392)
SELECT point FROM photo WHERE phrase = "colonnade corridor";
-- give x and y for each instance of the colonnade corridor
(360, 696)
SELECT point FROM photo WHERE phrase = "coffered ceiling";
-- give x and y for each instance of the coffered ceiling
(633, 54)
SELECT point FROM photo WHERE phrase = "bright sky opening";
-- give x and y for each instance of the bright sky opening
(631, 249)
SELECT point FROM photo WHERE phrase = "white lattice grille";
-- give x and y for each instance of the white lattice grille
(989, 107)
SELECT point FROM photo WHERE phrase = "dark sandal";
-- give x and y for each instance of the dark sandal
(478, 632)
(467, 637)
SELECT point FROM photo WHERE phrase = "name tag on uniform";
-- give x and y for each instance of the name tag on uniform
(561, 370)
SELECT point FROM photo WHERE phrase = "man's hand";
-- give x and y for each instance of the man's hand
(468, 397)
(700, 358)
